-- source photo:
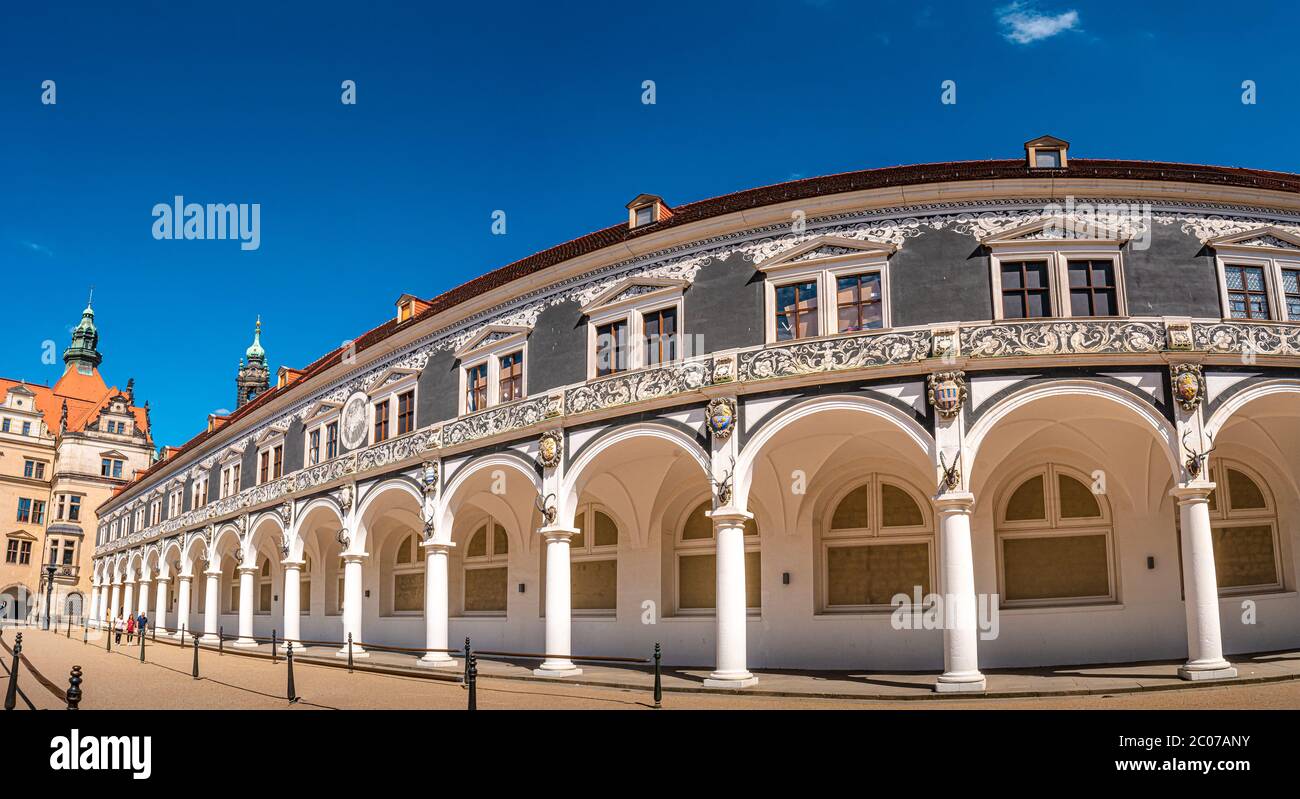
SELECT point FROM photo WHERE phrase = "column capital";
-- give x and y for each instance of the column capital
(1192, 492)
(729, 514)
(354, 557)
(162, 579)
(213, 573)
(185, 577)
(437, 546)
(557, 533)
(246, 569)
(293, 564)
(954, 502)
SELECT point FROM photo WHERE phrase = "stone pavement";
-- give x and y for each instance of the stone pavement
(247, 678)
(317, 673)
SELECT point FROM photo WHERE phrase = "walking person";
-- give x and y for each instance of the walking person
(117, 629)
(141, 623)
(130, 628)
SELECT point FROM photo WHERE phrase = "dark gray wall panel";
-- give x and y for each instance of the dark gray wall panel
(723, 309)
(940, 276)
(557, 348)
(1174, 276)
(436, 399)
(293, 447)
(248, 467)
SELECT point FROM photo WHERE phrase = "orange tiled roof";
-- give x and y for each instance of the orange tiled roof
(86, 396)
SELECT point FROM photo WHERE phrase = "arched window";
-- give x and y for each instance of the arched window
(486, 574)
(408, 577)
(1055, 542)
(696, 563)
(593, 561)
(304, 587)
(1243, 525)
(264, 587)
(877, 543)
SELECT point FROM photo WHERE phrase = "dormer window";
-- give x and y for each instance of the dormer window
(492, 367)
(634, 324)
(408, 307)
(1046, 152)
(646, 209)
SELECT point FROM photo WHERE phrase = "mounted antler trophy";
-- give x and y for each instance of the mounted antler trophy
(723, 487)
(546, 506)
(951, 474)
(1195, 462)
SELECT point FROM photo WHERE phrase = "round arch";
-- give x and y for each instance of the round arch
(461, 482)
(1229, 409)
(577, 474)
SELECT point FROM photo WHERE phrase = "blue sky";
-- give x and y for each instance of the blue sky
(530, 108)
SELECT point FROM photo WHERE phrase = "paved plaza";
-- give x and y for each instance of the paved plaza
(249, 680)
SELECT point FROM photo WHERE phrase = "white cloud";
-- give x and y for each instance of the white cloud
(1023, 24)
(38, 248)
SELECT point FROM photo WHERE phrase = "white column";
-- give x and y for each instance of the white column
(435, 604)
(113, 605)
(731, 613)
(143, 599)
(1200, 587)
(292, 602)
(211, 606)
(353, 604)
(961, 671)
(160, 604)
(183, 582)
(247, 574)
(558, 604)
(128, 600)
(95, 588)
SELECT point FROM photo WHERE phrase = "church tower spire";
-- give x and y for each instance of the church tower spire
(83, 353)
(253, 376)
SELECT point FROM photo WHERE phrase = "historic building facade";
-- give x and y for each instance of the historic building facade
(1059, 393)
(63, 451)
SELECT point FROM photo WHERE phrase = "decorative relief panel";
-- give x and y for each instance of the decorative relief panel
(1254, 338)
(1062, 338)
(502, 418)
(638, 386)
(854, 352)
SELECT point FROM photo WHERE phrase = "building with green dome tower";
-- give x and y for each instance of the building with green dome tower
(254, 376)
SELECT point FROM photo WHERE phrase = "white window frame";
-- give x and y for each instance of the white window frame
(415, 566)
(230, 477)
(1272, 266)
(155, 512)
(269, 443)
(1058, 255)
(507, 340)
(874, 534)
(1054, 526)
(793, 266)
(199, 492)
(389, 385)
(590, 552)
(608, 307)
(175, 503)
(492, 560)
(322, 415)
(706, 546)
(1224, 516)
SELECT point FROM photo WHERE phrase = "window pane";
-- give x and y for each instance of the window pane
(852, 512)
(1245, 494)
(485, 589)
(408, 591)
(698, 527)
(500, 542)
(872, 575)
(1027, 502)
(696, 581)
(1011, 278)
(898, 507)
(1055, 567)
(594, 584)
(606, 530)
(1244, 556)
(477, 544)
(1077, 501)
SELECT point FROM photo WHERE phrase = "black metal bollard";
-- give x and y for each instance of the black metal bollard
(69, 634)
(141, 647)
(288, 654)
(108, 639)
(11, 693)
(473, 683)
(465, 682)
(659, 691)
(196, 657)
(85, 635)
(221, 640)
(73, 694)
(273, 659)
(349, 653)
(155, 633)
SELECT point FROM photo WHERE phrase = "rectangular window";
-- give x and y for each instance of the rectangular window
(1247, 292)
(331, 440)
(660, 336)
(24, 553)
(796, 311)
(1092, 288)
(277, 462)
(38, 511)
(11, 551)
(476, 388)
(24, 510)
(1031, 567)
(511, 377)
(405, 412)
(68, 551)
(313, 447)
(34, 469)
(4, 426)
(74, 508)
(27, 428)
(871, 575)
(61, 508)
(645, 215)
(858, 299)
(264, 466)
(381, 422)
(1291, 293)
(1026, 290)
(611, 348)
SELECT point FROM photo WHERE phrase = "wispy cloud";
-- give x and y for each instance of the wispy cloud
(1022, 23)
(38, 248)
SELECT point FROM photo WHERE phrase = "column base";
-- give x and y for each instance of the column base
(431, 661)
(730, 679)
(960, 684)
(209, 638)
(557, 668)
(245, 643)
(1198, 673)
(357, 652)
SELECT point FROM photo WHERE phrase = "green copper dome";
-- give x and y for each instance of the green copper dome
(83, 352)
(255, 352)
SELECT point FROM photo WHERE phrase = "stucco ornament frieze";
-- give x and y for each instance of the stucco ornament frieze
(496, 420)
(1247, 340)
(853, 352)
(1058, 338)
(638, 386)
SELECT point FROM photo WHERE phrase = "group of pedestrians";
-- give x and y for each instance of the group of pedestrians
(130, 625)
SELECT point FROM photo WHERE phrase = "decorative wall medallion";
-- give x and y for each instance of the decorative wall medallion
(549, 448)
(1188, 384)
(1180, 335)
(724, 368)
(554, 404)
(354, 420)
(947, 392)
(721, 418)
(945, 344)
